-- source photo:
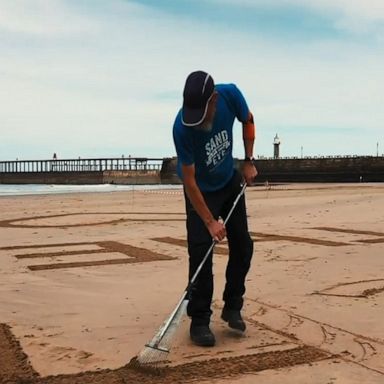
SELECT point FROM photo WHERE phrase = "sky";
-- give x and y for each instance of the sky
(95, 78)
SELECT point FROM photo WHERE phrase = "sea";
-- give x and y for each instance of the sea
(47, 189)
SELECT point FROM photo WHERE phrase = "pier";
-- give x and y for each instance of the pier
(119, 170)
(82, 165)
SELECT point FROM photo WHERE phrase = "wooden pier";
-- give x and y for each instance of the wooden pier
(119, 170)
(82, 165)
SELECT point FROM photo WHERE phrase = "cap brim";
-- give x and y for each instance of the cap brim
(192, 117)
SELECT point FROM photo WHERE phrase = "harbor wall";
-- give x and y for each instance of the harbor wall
(322, 169)
(333, 169)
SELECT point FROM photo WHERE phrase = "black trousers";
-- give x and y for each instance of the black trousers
(240, 247)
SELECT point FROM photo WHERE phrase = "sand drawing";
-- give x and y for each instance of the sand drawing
(287, 333)
(355, 289)
(354, 231)
(132, 254)
(372, 241)
(137, 254)
(259, 236)
(122, 218)
(358, 349)
(378, 240)
(15, 366)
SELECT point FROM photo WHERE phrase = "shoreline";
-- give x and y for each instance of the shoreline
(7, 190)
(39, 190)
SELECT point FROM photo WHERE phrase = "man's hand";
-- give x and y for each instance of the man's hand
(217, 230)
(249, 172)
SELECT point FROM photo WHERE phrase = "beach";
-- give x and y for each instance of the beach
(86, 279)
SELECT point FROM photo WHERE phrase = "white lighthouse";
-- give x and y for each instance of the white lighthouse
(276, 147)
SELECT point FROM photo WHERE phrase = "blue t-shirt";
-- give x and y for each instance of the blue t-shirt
(211, 152)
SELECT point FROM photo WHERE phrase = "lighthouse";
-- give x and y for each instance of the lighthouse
(276, 147)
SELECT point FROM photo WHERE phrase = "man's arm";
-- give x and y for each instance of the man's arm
(215, 228)
(249, 133)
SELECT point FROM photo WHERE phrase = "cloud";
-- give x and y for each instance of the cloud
(352, 16)
(42, 18)
(362, 18)
(368, 9)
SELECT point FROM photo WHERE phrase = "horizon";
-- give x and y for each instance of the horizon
(85, 78)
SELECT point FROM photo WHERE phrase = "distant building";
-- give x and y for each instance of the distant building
(276, 147)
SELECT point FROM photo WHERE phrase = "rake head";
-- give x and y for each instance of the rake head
(156, 351)
(152, 355)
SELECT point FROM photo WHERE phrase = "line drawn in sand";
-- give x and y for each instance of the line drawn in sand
(355, 289)
(191, 372)
(364, 351)
(124, 217)
(131, 254)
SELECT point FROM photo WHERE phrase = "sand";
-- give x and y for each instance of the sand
(86, 280)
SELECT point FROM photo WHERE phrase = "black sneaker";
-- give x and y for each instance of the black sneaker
(202, 336)
(234, 319)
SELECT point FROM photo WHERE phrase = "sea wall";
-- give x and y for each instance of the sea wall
(322, 169)
(332, 169)
(168, 174)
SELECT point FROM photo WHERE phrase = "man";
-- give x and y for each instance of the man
(202, 134)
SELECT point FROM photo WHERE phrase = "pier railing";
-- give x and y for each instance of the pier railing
(82, 165)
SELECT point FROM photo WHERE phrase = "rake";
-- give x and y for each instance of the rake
(158, 348)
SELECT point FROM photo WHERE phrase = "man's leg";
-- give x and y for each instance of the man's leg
(199, 306)
(240, 247)
(199, 241)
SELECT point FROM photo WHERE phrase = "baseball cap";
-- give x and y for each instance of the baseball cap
(198, 89)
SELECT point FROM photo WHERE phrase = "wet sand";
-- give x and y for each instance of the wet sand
(87, 279)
